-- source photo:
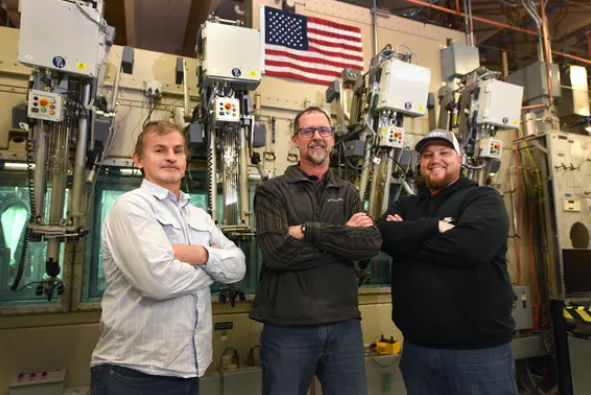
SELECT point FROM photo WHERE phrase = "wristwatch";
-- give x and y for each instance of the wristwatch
(304, 227)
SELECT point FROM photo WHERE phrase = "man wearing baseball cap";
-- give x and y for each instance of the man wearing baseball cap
(451, 292)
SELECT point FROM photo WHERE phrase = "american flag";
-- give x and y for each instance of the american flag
(307, 48)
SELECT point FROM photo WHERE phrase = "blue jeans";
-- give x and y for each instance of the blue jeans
(292, 355)
(488, 371)
(116, 380)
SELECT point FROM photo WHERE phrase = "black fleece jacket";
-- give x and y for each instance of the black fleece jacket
(450, 290)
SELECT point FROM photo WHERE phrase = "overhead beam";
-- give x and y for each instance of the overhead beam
(198, 13)
(131, 22)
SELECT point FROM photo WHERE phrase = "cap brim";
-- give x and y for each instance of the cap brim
(423, 143)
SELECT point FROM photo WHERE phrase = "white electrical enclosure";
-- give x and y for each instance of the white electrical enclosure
(404, 87)
(55, 34)
(231, 54)
(498, 103)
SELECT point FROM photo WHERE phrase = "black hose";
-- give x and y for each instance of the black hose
(26, 235)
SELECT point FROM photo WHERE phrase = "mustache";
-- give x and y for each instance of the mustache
(317, 144)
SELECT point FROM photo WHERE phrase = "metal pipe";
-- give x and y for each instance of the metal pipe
(80, 160)
(116, 84)
(578, 58)
(476, 18)
(186, 91)
(387, 186)
(366, 168)
(374, 13)
(534, 106)
(243, 168)
(589, 42)
(466, 23)
(537, 20)
(373, 190)
(505, 63)
(212, 169)
(548, 54)
(471, 19)
(39, 177)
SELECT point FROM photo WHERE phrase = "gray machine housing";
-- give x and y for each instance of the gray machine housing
(458, 60)
(43, 19)
(239, 63)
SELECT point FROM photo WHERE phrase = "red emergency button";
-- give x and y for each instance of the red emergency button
(228, 106)
(497, 145)
(397, 134)
(43, 102)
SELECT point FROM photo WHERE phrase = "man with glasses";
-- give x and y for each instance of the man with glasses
(311, 229)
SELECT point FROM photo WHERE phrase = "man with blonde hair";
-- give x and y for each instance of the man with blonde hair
(160, 255)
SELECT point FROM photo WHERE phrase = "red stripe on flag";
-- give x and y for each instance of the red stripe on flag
(333, 25)
(302, 68)
(297, 77)
(334, 45)
(330, 53)
(333, 35)
(312, 60)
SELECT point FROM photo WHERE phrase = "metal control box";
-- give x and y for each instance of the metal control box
(457, 60)
(231, 54)
(45, 106)
(489, 148)
(226, 109)
(391, 136)
(57, 35)
(43, 382)
(522, 311)
(498, 103)
(404, 87)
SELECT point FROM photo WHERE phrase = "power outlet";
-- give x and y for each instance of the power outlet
(153, 89)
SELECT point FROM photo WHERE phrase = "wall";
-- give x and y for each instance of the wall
(67, 340)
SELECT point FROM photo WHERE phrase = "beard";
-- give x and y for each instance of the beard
(317, 157)
(437, 185)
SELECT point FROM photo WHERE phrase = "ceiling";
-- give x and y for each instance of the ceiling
(140, 23)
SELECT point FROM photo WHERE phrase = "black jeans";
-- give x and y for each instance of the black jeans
(116, 380)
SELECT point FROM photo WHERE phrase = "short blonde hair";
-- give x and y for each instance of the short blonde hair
(160, 128)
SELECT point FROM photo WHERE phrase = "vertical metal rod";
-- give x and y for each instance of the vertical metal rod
(80, 160)
(387, 186)
(39, 178)
(589, 43)
(538, 21)
(117, 82)
(243, 168)
(505, 64)
(366, 169)
(186, 90)
(466, 22)
(471, 22)
(374, 13)
(212, 169)
(373, 191)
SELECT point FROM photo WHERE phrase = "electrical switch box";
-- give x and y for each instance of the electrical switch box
(498, 103)
(45, 106)
(43, 382)
(572, 204)
(522, 309)
(404, 87)
(489, 148)
(153, 89)
(391, 136)
(226, 109)
(230, 54)
(59, 35)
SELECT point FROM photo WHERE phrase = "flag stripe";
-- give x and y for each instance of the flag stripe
(289, 73)
(350, 59)
(328, 29)
(335, 25)
(328, 44)
(347, 40)
(307, 56)
(328, 71)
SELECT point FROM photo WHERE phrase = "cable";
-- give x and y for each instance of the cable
(373, 358)
(102, 24)
(410, 49)
(153, 105)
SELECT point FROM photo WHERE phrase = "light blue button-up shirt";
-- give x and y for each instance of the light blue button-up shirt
(156, 309)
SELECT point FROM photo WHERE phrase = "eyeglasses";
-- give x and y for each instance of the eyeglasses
(323, 131)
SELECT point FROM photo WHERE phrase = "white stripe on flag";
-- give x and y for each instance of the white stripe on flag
(321, 77)
(335, 40)
(316, 56)
(333, 30)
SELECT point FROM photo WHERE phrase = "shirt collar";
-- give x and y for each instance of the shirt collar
(162, 193)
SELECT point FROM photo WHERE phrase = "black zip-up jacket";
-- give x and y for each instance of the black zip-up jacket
(450, 290)
(310, 281)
